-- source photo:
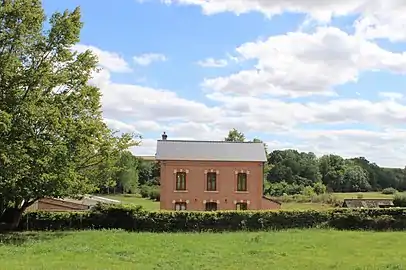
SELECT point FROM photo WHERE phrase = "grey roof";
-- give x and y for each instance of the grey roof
(367, 203)
(210, 150)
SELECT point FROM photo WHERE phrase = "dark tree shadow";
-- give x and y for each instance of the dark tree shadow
(19, 238)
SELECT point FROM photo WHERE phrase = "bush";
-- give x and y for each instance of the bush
(283, 188)
(400, 200)
(136, 219)
(154, 194)
(150, 192)
(389, 191)
(319, 188)
(144, 191)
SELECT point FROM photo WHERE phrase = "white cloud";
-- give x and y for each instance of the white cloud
(318, 9)
(326, 58)
(391, 95)
(211, 62)
(383, 19)
(109, 60)
(378, 18)
(149, 58)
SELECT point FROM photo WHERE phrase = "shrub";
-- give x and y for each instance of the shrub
(154, 193)
(400, 200)
(308, 191)
(144, 191)
(319, 188)
(136, 219)
(150, 192)
(389, 191)
(282, 188)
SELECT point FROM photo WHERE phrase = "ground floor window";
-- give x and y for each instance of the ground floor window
(211, 206)
(179, 206)
(241, 206)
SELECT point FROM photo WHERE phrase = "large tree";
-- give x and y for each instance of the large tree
(53, 141)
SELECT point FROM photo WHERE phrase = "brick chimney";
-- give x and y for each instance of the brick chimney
(164, 136)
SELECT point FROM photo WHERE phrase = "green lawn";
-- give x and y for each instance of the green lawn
(294, 249)
(365, 195)
(135, 200)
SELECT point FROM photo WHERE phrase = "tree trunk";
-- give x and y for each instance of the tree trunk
(11, 218)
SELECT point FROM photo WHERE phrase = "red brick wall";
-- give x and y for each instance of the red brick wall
(226, 195)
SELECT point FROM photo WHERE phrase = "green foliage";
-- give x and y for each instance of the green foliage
(235, 136)
(400, 200)
(150, 192)
(293, 167)
(127, 175)
(283, 188)
(148, 172)
(136, 219)
(53, 139)
(389, 191)
(319, 188)
(335, 172)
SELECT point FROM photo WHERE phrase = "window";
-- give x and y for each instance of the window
(211, 206)
(242, 182)
(241, 206)
(180, 206)
(180, 181)
(211, 181)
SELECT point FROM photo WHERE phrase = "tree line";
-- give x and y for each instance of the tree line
(290, 171)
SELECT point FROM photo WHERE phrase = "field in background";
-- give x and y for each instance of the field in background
(152, 205)
(293, 249)
(135, 200)
(365, 195)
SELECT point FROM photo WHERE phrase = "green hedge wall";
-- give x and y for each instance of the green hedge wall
(136, 219)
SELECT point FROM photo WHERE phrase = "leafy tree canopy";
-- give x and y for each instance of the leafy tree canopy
(54, 142)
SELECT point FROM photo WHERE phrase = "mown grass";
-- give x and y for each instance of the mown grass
(363, 195)
(135, 200)
(293, 249)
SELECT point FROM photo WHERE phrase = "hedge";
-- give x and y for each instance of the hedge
(136, 219)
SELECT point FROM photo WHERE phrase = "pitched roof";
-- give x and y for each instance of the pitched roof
(210, 150)
(367, 203)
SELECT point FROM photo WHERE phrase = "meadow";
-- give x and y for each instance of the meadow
(292, 249)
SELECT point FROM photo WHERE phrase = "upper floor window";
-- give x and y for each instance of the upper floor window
(211, 181)
(180, 181)
(241, 182)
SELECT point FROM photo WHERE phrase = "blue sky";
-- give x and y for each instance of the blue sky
(326, 78)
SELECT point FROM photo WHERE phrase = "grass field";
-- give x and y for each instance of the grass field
(294, 249)
(151, 205)
(135, 200)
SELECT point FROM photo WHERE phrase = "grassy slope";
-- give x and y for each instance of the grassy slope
(306, 249)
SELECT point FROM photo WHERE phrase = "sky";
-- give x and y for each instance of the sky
(313, 75)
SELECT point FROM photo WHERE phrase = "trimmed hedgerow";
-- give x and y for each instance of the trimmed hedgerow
(136, 219)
